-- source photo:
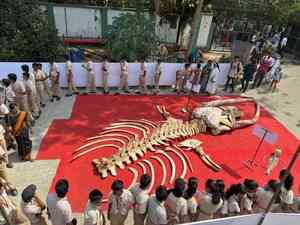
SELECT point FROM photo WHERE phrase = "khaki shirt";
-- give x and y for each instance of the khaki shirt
(30, 88)
(39, 76)
(206, 206)
(124, 67)
(105, 66)
(18, 88)
(141, 198)
(157, 213)
(69, 65)
(158, 69)
(176, 208)
(120, 204)
(54, 72)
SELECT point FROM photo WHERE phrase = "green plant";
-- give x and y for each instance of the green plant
(132, 36)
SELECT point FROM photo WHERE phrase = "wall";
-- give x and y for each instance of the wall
(167, 79)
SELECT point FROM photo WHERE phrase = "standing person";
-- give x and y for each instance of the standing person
(123, 77)
(21, 126)
(211, 87)
(263, 69)
(156, 212)
(39, 80)
(197, 75)
(158, 73)
(31, 96)
(249, 71)
(286, 193)
(90, 74)
(276, 77)
(206, 71)
(54, 77)
(176, 205)
(19, 89)
(143, 78)
(9, 94)
(235, 73)
(282, 45)
(59, 208)
(248, 198)
(163, 52)
(141, 197)
(93, 214)
(179, 81)
(70, 79)
(46, 84)
(188, 72)
(9, 213)
(119, 203)
(189, 195)
(105, 74)
(33, 207)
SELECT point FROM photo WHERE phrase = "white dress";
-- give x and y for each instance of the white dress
(211, 87)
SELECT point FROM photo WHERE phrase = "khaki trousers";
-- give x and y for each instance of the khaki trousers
(71, 86)
(55, 88)
(156, 82)
(117, 219)
(91, 84)
(142, 84)
(139, 219)
(104, 81)
(124, 81)
(40, 91)
(32, 103)
(46, 88)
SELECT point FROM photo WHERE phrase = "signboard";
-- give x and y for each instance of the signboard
(269, 137)
(204, 31)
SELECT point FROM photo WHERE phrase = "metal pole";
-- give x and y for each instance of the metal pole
(258, 147)
(291, 164)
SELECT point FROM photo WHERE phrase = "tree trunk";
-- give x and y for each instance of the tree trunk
(157, 6)
(194, 28)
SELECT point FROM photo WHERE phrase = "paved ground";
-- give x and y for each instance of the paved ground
(284, 104)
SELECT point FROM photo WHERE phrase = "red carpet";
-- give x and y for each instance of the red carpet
(93, 113)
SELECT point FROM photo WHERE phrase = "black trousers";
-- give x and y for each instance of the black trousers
(232, 84)
(245, 84)
(258, 79)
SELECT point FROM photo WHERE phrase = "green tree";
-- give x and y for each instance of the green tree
(26, 33)
(132, 36)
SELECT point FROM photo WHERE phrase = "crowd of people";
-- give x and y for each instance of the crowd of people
(180, 204)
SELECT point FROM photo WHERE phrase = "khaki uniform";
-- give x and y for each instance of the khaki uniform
(157, 214)
(176, 209)
(105, 71)
(91, 84)
(124, 77)
(142, 79)
(70, 79)
(31, 96)
(21, 98)
(40, 87)
(141, 198)
(3, 154)
(206, 209)
(119, 207)
(54, 77)
(158, 73)
(179, 80)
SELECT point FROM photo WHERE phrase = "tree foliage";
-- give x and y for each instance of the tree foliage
(26, 32)
(131, 36)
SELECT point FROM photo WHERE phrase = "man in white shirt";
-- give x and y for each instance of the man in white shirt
(59, 208)
(157, 214)
(105, 74)
(141, 196)
(119, 203)
(70, 79)
(32, 206)
(92, 213)
(124, 77)
(158, 73)
(282, 46)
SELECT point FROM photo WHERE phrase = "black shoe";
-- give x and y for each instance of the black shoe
(57, 98)
(43, 105)
(68, 95)
(117, 93)
(52, 99)
(9, 165)
(126, 91)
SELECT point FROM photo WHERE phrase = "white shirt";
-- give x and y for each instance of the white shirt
(158, 69)
(263, 197)
(54, 71)
(246, 203)
(3, 109)
(59, 209)
(284, 42)
(141, 198)
(30, 210)
(157, 213)
(10, 94)
(207, 206)
(105, 66)
(176, 206)
(120, 204)
(286, 196)
(233, 205)
(92, 215)
(7, 205)
(192, 205)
